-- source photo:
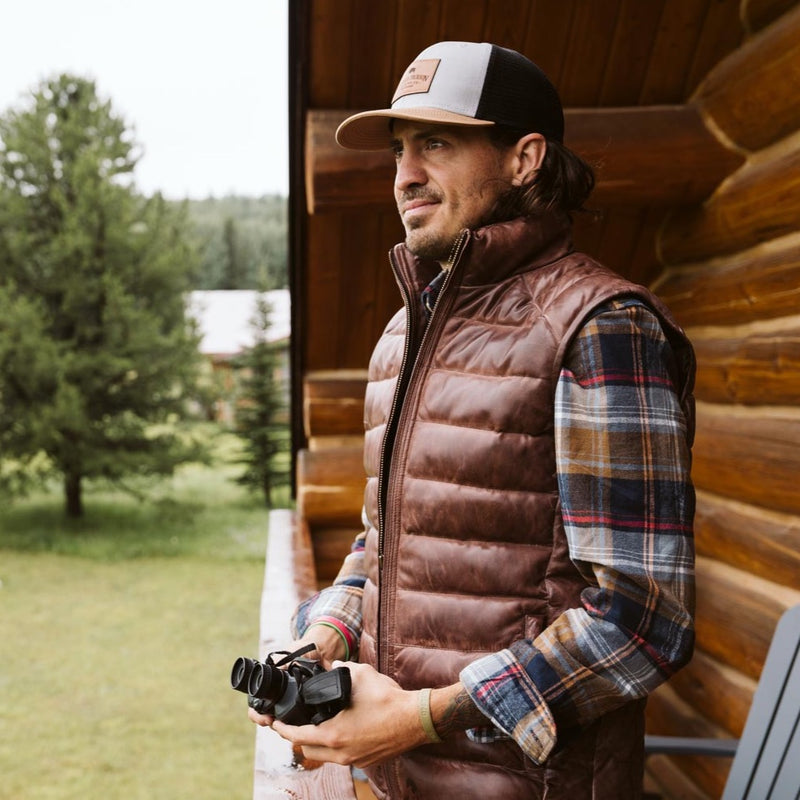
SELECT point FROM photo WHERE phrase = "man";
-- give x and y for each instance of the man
(525, 578)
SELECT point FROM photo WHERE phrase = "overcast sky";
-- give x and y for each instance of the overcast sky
(203, 83)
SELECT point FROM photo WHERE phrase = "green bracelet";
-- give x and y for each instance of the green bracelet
(425, 717)
(341, 636)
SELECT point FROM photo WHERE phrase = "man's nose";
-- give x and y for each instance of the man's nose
(409, 172)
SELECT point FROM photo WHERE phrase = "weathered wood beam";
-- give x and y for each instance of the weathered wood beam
(330, 487)
(734, 444)
(331, 546)
(720, 693)
(756, 540)
(751, 95)
(757, 14)
(664, 778)
(759, 202)
(652, 155)
(333, 403)
(761, 282)
(757, 364)
(737, 614)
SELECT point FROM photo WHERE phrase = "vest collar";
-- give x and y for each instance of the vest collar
(495, 252)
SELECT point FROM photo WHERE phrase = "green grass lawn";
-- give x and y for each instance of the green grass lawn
(118, 633)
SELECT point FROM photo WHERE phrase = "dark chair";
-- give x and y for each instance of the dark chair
(766, 764)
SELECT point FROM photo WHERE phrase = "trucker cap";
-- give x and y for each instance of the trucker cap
(463, 83)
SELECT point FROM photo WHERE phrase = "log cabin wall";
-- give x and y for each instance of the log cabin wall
(688, 109)
(732, 277)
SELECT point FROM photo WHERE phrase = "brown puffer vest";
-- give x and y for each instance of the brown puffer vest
(466, 551)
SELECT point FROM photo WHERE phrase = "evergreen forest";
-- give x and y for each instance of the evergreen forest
(240, 241)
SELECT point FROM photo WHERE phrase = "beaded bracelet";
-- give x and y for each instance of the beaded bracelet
(425, 716)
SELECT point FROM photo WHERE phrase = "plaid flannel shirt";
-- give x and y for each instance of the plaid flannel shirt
(623, 466)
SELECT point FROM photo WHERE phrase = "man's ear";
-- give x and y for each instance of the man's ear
(529, 153)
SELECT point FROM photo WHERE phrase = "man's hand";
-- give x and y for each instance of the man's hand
(382, 721)
(329, 648)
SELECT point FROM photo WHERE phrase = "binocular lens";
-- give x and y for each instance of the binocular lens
(240, 674)
(266, 682)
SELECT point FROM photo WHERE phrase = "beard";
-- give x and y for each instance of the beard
(429, 245)
(429, 240)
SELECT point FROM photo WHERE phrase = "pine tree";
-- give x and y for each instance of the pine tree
(261, 413)
(95, 346)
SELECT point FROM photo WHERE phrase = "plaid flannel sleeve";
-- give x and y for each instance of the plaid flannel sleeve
(340, 601)
(623, 463)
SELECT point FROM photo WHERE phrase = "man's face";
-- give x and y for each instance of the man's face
(448, 179)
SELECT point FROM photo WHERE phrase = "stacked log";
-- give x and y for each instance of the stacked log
(732, 278)
(330, 471)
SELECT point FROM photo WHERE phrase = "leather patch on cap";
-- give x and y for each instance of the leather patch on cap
(417, 78)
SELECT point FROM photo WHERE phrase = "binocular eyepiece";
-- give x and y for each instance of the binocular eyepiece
(301, 693)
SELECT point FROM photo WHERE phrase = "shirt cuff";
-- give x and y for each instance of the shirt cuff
(342, 603)
(504, 692)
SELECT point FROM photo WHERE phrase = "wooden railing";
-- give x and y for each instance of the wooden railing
(289, 577)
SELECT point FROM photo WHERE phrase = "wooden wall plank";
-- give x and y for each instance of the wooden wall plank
(372, 74)
(333, 403)
(593, 24)
(758, 283)
(460, 21)
(330, 31)
(507, 26)
(629, 52)
(721, 33)
(335, 383)
(752, 94)
(331, 546)
(410, 40)
(330, 506)
(759, 541)
(759, 202)
(668, 781)
(620, 238)
(352, 294)
(323, 292)
(672, 53)
(721, 694)
(644, 266)
(733, 444)
(329, 417)
(757, 364)
(330, 487)
(545, 43)
(342, 467)
(737, 614)
(757, 14)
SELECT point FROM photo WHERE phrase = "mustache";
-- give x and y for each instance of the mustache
(418, 194)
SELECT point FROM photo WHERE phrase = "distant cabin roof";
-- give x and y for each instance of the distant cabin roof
(224, 318)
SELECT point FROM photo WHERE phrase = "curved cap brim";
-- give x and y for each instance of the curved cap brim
(370, 130)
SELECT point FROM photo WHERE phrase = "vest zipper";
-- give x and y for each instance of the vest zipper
(392, 769)
(407, 366)
(455, 254)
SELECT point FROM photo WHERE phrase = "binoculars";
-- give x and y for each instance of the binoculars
(295, 690)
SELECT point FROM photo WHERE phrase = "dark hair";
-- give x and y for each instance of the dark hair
(563, 182)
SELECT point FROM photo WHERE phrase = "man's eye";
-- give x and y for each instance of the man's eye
(397, 152)
(434, 144)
